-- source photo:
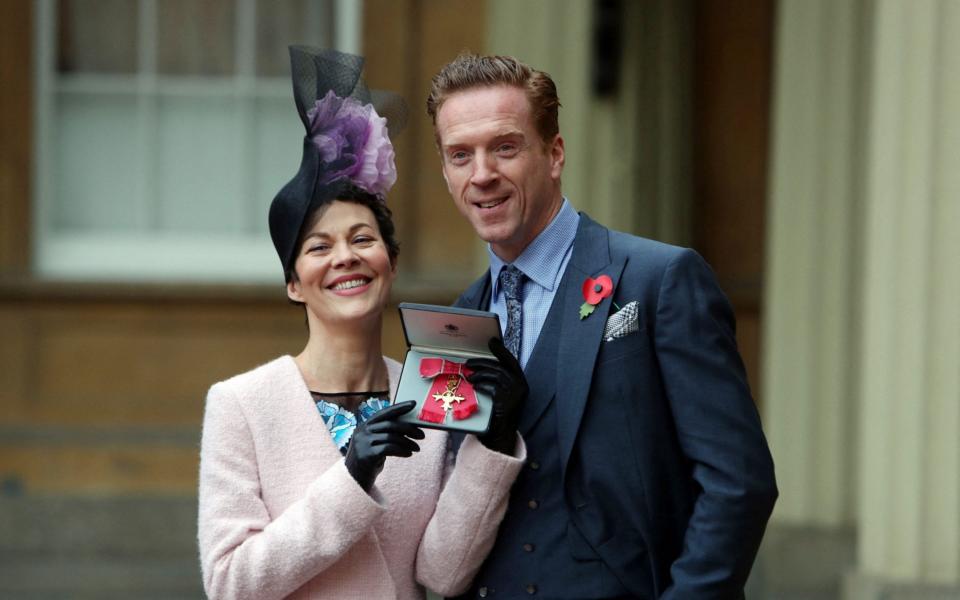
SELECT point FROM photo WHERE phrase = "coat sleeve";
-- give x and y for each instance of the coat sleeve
(718, 429)
(246, 553)
(464, 525)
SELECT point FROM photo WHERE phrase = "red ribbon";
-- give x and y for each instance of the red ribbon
(442, 371)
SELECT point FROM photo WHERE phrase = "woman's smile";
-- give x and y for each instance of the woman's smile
(350, 285)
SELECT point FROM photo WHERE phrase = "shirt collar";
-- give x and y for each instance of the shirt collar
(542, 259)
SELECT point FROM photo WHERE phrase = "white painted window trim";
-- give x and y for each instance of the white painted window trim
(147, 255)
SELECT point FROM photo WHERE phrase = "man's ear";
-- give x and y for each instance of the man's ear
(443, 171)
(293, 290)
(557, 156)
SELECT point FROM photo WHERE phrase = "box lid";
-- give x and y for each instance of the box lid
(446, 327)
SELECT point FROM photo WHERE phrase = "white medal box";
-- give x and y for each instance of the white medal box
(454, 335)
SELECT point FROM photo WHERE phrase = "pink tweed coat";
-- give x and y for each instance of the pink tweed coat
(280, 516)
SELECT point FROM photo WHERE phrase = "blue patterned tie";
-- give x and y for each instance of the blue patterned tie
(511, 281)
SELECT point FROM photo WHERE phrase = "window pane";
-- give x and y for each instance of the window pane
(201, 173)
(279, 136)
(97, 36)
(196, 38)
(281, 23)
(96, 150)
(182, 166)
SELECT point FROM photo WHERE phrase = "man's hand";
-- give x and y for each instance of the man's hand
(379, 437)
(503, 380)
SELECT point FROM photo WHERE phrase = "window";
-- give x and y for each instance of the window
(164, 128)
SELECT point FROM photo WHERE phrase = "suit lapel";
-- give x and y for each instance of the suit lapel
(477, 295)
(541, 368)
(578, 340)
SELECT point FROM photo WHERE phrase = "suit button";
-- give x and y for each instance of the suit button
(531, 589)
(533, 504)
(535, 465)
(528, 547)
(482, 592)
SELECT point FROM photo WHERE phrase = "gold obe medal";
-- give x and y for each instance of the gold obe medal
(449, 396)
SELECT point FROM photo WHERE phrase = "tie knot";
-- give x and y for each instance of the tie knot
(510, 280)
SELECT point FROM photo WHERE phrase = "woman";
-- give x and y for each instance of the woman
(309, 486)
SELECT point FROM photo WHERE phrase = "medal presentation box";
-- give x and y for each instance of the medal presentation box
(439, 340)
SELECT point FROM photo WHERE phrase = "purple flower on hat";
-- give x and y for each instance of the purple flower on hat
(353, 142)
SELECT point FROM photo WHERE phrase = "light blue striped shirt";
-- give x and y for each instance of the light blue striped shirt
(543, 262)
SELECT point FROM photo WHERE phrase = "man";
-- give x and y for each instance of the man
(648, 475)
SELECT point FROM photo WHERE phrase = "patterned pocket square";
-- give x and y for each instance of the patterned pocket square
(623, 322)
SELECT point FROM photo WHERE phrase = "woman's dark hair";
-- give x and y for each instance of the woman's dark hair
(376, 204)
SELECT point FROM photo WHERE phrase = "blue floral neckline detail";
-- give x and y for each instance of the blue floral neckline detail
(342, 423)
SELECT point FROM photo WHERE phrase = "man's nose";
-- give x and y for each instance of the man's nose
(484, 171)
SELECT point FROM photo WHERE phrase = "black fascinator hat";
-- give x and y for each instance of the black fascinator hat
(346, 149)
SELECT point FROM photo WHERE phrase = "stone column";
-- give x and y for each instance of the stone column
(909, 527)
(862, 364)
(810, 336)
(811, 341)
(628, 156)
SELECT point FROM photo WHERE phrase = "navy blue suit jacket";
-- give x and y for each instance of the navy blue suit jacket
(665, 469)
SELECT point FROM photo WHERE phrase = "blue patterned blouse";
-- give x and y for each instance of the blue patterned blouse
(342, 422)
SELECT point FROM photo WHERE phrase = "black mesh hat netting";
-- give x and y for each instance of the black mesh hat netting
(315, 73)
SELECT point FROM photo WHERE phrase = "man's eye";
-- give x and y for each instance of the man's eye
(458, 156)
(506, 149)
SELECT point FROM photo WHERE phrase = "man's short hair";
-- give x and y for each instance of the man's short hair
(472, 71)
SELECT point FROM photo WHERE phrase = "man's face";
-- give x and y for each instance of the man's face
(503, 177)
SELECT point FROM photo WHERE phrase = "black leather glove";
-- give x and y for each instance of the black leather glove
(503, 380)
(379, 437)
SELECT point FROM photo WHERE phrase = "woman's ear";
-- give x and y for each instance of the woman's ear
(293, 289)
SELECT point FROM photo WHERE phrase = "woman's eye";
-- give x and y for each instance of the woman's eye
(318, 248)
(362, 239)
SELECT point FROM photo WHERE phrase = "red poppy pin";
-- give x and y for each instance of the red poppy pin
(594, 290)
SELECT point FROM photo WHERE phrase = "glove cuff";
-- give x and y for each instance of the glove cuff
(502, 442)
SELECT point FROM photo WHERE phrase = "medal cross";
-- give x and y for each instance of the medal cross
(448, 398)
